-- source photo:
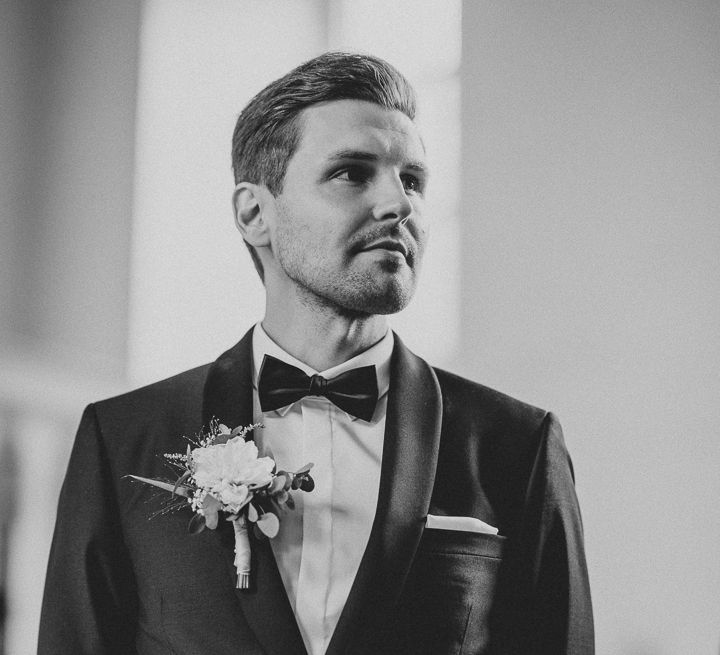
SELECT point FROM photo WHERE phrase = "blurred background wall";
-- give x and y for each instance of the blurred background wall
(574, 259)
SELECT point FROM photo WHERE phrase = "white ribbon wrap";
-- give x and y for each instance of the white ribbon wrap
(242, 552)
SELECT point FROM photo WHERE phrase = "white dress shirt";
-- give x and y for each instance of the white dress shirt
(320, 544)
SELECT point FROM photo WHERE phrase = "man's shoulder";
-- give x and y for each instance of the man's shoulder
(504, 433)
(466, 398)
(174, 394)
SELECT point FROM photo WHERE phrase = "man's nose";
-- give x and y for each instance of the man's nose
(392, 203)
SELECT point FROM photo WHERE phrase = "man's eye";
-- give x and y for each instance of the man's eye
(353, 174)
(411, 183)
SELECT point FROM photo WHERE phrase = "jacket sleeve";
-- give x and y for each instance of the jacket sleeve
(546, 590)
(89, 605)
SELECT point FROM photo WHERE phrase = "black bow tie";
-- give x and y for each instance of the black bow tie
(281, 384)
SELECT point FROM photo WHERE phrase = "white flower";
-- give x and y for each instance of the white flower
(234, 496)
(226, 467)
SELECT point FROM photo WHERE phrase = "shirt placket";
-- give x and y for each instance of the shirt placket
(314, 578)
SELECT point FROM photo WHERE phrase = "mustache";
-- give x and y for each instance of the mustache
(396, 232)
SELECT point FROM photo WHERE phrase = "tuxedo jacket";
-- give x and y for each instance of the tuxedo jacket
(123, 580)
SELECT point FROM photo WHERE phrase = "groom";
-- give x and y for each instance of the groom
(444, 517)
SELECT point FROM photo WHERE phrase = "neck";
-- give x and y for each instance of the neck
(321, 336)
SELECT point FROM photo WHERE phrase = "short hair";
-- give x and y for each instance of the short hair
(267, 132)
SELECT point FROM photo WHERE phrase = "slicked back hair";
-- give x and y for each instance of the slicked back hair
(268, 132)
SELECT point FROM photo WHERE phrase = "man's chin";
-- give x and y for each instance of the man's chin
(363, 293)
(392, 298)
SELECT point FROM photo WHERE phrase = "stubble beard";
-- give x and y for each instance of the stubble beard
(348, 292)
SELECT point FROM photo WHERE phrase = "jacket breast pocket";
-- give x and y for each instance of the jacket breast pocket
(445, 606)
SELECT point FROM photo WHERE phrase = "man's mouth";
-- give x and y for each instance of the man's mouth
(389, 244)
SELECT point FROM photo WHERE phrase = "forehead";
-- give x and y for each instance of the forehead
(356, 125)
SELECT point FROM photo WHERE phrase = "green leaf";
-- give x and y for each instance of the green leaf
(290, 502)
(211, 519)
(269, 524)
(210, 503)
(210, 507)
(304, 469)
(252, 513)
(180, 480)
(197, 524)
(278, 483)
(177, 491)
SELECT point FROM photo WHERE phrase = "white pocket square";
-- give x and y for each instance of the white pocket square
(461, 523)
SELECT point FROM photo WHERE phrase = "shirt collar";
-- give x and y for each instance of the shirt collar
(377, 355)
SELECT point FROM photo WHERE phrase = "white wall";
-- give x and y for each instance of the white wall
(591, 137)
(194, 290)
(67, 94)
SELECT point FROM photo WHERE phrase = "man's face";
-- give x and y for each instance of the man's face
(348, 228)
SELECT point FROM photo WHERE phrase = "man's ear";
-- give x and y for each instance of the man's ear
(248, 206)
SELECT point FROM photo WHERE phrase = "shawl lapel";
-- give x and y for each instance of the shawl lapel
(410, 454)
(228, 397)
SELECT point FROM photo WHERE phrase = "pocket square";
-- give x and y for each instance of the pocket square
(460, 523)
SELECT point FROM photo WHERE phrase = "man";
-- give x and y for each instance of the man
(395, 550)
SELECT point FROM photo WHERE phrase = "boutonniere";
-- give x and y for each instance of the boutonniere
(221, 473)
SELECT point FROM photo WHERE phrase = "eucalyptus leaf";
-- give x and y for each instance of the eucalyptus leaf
(269, 524)
(197, 524)
(278, 484)
(211, 519)
(252, 513)
(210, 506)
(210, 503)
(304, 469)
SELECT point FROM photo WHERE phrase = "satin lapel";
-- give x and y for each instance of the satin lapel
(228, 398)
(410, 453)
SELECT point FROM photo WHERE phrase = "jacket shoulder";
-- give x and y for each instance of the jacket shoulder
(500, 438)
(177, 396)
(503, 433)
(468, 398)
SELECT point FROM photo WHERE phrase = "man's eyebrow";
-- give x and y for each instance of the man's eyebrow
(353, 154)
(363, 155)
